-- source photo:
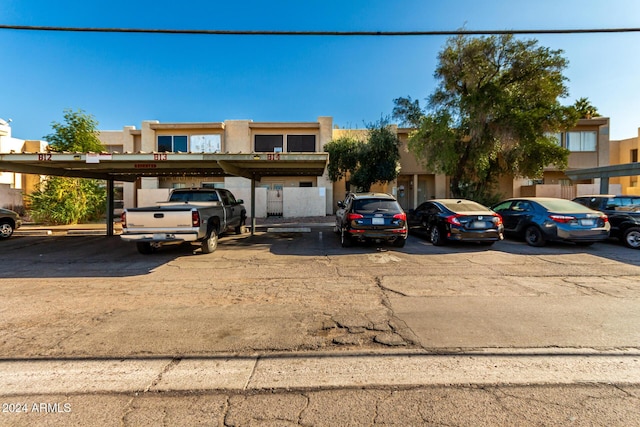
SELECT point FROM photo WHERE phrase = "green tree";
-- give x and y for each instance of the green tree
(364, 163)
(492, 113)
(62, 200)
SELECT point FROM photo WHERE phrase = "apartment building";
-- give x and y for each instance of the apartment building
(621, 152)
(14, 185)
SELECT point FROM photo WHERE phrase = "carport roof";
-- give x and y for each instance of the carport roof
(130, 166)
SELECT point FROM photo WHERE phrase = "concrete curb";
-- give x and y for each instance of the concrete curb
(317, 371)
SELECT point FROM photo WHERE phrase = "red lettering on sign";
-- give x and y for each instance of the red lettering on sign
(44, 157)
(275, 156)
(161, 156)
(144, 166)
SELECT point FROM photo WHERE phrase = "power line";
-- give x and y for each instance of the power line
(315, 33)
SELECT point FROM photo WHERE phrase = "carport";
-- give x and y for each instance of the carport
(129, 167)
(604, 173)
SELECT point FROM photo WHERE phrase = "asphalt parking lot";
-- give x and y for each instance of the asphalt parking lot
(293, 317)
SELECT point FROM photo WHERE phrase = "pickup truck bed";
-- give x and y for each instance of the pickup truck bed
(195, 215)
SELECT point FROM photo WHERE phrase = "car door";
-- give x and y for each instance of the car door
(416, 216)
(430, 215)
(232, 217)
(512, 212)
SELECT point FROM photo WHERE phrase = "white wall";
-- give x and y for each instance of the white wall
(244, 193)
(151, 196)
(304, 201)
(10, 197)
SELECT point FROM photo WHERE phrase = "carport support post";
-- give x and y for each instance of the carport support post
(604, 185)
(110, 198)
(253, 204)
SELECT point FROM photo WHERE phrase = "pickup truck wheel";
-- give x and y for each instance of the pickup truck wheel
(144, 248)
(240, 228)
(631, 238)
(210, 243)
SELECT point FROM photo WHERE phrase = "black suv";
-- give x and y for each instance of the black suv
(371, 217)
(623, 213)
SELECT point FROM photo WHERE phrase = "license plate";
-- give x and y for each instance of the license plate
(377, 221)
(478, 224)
(587, 222)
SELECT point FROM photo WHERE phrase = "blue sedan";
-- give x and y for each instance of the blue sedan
(543, 219)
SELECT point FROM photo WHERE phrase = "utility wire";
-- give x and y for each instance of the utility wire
(316, 33)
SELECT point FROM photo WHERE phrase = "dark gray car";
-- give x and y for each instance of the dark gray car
(9, 221)
(374, 217)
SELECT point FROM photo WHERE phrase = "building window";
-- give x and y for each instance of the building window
(581, 141)
(268, 143)
(172, 144)
(301, 143)
(205, 143)
(555, 136)
(634, 155)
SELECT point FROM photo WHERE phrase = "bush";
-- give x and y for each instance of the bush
(62, 201)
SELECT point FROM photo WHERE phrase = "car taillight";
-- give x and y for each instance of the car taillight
(353, 216)
(123, 219)
(604, 219)
(195, 219)
(453, 219)
(401, 216)
(563, 219)
(497, 219)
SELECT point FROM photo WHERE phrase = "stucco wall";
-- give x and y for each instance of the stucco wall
(10, 198)
(301, 202)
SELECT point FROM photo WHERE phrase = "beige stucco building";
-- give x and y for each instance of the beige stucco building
(588, 143)
(300, 195)
(626, 151)
(14, 185)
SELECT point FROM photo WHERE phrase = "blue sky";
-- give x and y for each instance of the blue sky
(123, 79)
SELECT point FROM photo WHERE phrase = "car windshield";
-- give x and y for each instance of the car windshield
(566, 206)
(375, 205)
(464, 206)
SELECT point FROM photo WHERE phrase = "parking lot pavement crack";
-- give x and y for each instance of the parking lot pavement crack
(172, 364)
(252, 374)
(397, 325)
(304, 408)
(587, 289)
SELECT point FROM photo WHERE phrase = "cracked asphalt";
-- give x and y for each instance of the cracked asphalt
(300, 331)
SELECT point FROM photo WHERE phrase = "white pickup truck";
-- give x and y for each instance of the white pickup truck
(190, 215)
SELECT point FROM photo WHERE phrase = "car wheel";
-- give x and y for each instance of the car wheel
(400, 242)
(144, 248)
(210, 243)
(345, 239)
(436, 236)
(631, 238)
(533, 236)
(6, 230)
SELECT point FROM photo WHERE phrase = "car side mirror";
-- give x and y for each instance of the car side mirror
(341, 205)
(239, 201)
